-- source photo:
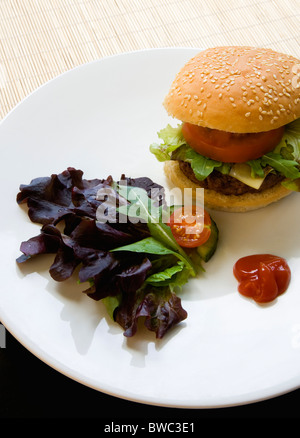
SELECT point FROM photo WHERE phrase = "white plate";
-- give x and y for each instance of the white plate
(101, 118)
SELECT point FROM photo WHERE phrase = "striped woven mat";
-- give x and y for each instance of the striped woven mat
(39, 39)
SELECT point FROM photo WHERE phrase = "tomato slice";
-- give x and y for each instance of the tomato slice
(190, 226)
(229, 147)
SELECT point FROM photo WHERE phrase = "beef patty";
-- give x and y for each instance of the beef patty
(226, 184)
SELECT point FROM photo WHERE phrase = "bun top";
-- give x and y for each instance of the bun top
(237, 89)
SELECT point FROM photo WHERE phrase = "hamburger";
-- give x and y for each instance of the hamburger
(238, 130)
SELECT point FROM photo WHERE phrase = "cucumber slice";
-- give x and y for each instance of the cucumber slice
(207, 250)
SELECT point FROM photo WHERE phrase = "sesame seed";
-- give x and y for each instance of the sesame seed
(247, 114)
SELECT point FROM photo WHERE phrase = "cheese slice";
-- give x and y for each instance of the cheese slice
(242, 172)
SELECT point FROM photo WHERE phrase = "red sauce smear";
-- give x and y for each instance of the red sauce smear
(262, 277)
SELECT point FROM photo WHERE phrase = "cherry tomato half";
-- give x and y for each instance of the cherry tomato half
(229, 147)
(190, 226)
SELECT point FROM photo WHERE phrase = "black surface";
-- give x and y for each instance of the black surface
(31, 389)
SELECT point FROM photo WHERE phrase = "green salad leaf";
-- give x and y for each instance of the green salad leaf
(202, 166)
(171, 138)
(148, 245)
(142, 207)
(163, 277)
(288, 168)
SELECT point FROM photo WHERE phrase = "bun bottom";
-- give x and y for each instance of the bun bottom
(218, 201)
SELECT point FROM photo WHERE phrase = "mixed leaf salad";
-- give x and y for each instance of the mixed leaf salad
(112, 233)
(284, 159)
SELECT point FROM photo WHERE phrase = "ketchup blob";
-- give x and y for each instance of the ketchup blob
(262, 277)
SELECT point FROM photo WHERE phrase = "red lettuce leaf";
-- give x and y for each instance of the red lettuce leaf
(88, 244)
(50, 199)
(48, 241)
(125, 277)
(160, 306)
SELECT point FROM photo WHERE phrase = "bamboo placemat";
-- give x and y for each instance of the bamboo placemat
(39, 39)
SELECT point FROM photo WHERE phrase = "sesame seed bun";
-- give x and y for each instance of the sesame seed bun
(236, 89)
(219, 201)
